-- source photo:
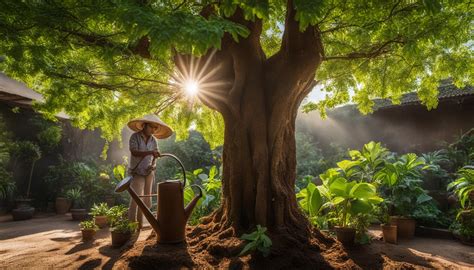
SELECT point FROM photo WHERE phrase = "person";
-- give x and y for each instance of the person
(144, 151)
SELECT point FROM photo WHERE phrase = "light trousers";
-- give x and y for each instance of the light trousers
(142, 186)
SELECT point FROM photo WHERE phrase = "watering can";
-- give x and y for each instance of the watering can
(170, 221)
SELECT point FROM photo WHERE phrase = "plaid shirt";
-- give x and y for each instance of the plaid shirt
(138, 143)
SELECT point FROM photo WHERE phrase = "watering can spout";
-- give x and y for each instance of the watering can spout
(189, 208)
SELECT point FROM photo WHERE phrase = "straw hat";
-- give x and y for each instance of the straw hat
(163, 130)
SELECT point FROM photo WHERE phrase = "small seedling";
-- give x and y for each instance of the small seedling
(257, 240)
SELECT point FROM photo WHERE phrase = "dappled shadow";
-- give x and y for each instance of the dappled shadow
(90, 264)
(64, 239)
(81, 257)
(114, 254)
(161, 256)
(80, 247)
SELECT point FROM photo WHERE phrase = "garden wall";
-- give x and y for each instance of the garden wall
(406, 128)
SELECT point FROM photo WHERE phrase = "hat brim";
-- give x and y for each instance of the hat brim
(162, 131)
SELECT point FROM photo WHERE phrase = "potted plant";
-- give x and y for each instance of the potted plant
(100, 213)
(401, 180)
(31, 152)
(389, 231)
(116, 213)
(122, 231)
(56, 180)
(78, 212)
(347, 200)
(463, 186)
(88, 229)
(62, 205)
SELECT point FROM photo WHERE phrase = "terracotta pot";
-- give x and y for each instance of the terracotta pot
(345, 235)
(100, 221)
(87, 234)
(119, 239)
(79, 214)
(62, 205)
(23, 213)
(389, 233)
(405, 226)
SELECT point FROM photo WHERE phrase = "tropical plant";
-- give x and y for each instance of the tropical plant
(116, 214)
(88, 225)
(369, 160)
(464, 224)
(347, 198)
(210, 184)
(257, 241)
(311, 201)
(75, 195)
(435, 172)
(401, 184)
(7, 186)
(125, 226)
(101, 209)
(464, 186)
(30, 152)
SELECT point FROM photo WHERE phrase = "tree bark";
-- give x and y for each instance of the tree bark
(259, 108)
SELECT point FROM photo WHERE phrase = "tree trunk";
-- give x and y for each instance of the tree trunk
(259, 100)
(259, 157)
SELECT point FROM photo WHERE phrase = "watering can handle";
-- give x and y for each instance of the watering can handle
(180, 164)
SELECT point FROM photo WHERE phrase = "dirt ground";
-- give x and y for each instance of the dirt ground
(54, 242)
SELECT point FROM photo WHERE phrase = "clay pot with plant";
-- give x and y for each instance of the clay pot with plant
(122, 231)
(78, 212)
(29, 152)
(88, 229)
(389, 231)
(100, 213)
(62, 205)
(402, 182)
(347, 200)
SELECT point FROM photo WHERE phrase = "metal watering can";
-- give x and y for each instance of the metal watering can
(170, 222)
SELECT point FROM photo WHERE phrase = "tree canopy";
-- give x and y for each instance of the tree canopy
(106, 61)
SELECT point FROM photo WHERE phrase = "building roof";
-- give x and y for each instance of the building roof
(16, 92)
(446, 91)
(19, 94)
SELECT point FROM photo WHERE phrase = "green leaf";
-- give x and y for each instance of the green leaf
(423, 198)
(360, 207)
(363, 191)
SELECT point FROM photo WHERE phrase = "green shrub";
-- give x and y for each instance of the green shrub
(75, 195)
(464, 185)
(101, 209)
(116, 214)
(125, 226)
(88, 225)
